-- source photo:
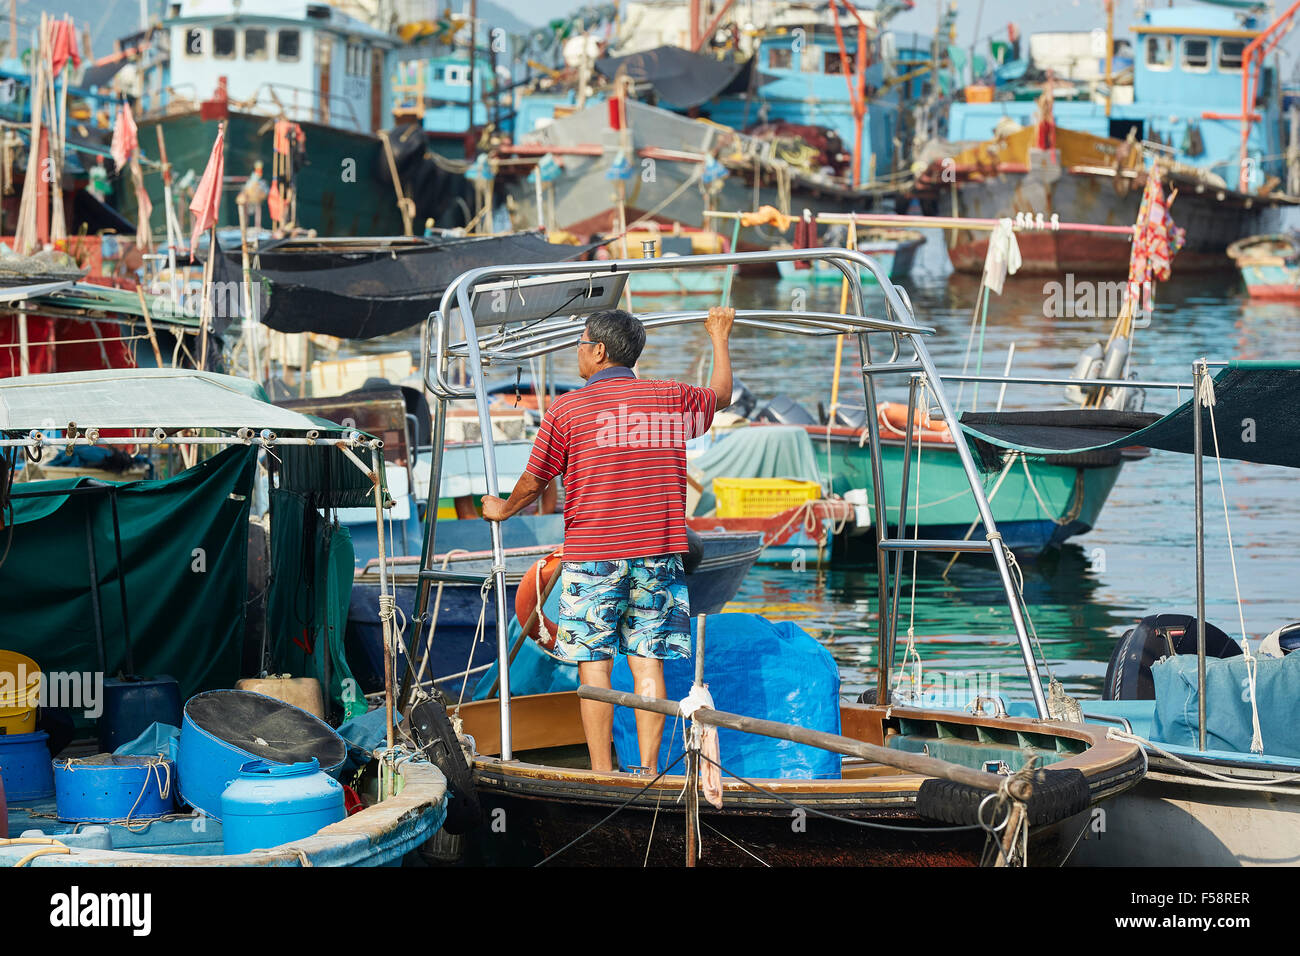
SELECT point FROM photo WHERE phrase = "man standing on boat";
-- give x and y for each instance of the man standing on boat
(620, 444)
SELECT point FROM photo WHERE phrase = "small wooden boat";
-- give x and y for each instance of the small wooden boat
(1269, 265)
(550, 799)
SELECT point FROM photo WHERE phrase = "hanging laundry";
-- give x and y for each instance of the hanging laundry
(1003, 257)
(125, 137)
(805, 237)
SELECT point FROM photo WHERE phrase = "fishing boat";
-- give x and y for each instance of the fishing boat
(1269, 266)
(897, 804)
(1085, 158)
(167, 560)
(1215, 794)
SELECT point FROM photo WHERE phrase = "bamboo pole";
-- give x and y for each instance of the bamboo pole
(944, 222)
(169, 216)
(844, 307)
(148, 324)
(835, 743)
(205, 309)
(404, 205)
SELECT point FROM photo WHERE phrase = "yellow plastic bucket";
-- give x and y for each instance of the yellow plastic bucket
(20, 690)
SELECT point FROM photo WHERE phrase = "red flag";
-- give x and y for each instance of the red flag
(64, 45)
(207, 198)
(125, 138)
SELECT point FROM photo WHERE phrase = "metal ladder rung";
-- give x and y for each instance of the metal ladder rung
(459, 577)
(934, 544)
(886, 367)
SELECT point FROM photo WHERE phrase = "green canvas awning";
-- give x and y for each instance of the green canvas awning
(143, 398)
(1256, 411)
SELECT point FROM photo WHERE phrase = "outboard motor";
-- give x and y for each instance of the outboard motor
(694, 551)
(1128, 675)
(784, 410)
(742, 400)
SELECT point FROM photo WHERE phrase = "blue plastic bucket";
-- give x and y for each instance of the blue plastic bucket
(224, 729)
(108, 787)
(25, 766)
(270, 804)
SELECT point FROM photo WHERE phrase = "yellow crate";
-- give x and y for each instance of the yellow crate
(761, 497)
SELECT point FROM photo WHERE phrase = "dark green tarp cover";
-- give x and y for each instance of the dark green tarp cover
(1256, 412)
(185, 548)
(307, 608)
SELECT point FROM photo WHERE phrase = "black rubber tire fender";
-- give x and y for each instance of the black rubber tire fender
(1057, 795)
(437, 740)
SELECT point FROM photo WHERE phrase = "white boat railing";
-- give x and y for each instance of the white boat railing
(492, 337)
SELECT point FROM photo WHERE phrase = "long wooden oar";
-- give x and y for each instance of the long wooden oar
(912, 763)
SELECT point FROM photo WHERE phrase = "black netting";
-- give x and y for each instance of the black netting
(265, 727)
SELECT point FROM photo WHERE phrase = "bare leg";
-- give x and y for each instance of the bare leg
(597, 717)
(648, 679)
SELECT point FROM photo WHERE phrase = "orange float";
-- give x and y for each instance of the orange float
(892, 418)
(536, 581)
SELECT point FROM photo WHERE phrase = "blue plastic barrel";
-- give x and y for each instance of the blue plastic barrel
(108, 787)
(270, 804)
(131, 704)
(25, 766)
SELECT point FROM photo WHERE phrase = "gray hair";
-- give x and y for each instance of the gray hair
(621, 334)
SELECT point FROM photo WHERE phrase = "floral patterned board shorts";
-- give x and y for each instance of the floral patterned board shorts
(635, 606)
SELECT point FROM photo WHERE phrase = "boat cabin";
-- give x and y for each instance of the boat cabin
(1185, 94)
(304, 61)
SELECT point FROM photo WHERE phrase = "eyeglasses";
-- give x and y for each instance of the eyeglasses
(585, 342)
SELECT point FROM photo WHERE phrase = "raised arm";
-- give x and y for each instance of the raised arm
(718, 324)
(527, 490)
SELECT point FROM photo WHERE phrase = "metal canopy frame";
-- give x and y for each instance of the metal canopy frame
(486, 340)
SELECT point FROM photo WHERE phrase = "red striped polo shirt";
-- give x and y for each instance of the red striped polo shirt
(620, 444)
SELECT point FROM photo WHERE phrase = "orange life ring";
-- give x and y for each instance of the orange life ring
(535, 583)
(892, 418)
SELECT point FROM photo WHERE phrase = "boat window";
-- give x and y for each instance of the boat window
(356, 59)
(255, 44)
(1196, 54)
(223, 43)
(194, 44)
(457, 76)
(1160, 53)
(779, 58)
(1230, 54)
(439, 74)
(831, 62)
(286, 45)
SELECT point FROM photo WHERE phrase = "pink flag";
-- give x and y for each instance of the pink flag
(125, 139)
(64, 45)
(207, 198)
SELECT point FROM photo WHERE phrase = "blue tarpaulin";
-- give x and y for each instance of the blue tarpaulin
(1228, 722)
(757, 668)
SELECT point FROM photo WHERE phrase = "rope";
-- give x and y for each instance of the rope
(1207, 400)
(910, 652)
(1277, 783)
(870, 824)
(995, 538)
(163, 779)
(622, 806)
(433, 623)
(1076, 504)
(479, 633)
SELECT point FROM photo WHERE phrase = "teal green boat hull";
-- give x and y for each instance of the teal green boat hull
(1034, 510)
